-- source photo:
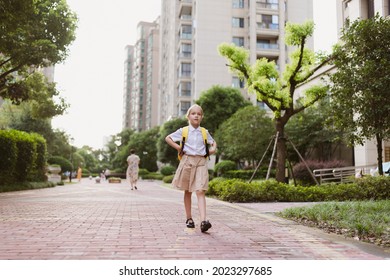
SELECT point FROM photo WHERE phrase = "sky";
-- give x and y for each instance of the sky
(91, 79)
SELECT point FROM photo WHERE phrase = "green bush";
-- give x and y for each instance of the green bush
(26, 186)
(236, 190)
(152, 176)
(9, 153)
(168, 179)
(222, 167)
(26, 155)
(65, 164)
(167, 170)
(38, 174)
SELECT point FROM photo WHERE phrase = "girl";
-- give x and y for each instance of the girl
(192, 173)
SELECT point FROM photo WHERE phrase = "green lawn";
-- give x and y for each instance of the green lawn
(366, 220)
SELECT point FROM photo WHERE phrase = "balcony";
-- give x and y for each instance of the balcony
(270, 50)
(263, 5)
(185, 8)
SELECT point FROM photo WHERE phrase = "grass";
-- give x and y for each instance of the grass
(363, 220)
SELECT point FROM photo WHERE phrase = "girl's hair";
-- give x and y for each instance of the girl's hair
(192, 107)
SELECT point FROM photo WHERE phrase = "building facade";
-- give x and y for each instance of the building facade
(141, 79)
(192, 30)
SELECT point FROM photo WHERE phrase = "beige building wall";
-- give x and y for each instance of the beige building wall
(168, 69)
(127, 86)
(152, 72)
(198, 27)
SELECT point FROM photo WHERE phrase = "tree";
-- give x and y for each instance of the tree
(218, 104)
(245, 135)
(312, 133)
(33, 33)
(360, 86)
(278, 91)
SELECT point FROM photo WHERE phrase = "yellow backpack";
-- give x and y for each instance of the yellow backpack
(184, 135)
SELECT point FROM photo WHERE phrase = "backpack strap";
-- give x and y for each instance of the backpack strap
(204, 134)
(184, 136)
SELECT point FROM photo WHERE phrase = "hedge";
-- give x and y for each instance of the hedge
(236, 190)
(23, 157)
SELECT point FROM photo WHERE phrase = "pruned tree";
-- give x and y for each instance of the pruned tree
(360, 86)
(278, 91)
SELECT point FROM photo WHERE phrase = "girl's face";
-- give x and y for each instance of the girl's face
(195, 116)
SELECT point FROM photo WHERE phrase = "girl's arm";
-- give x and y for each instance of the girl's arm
(172, 143)
(213, 148)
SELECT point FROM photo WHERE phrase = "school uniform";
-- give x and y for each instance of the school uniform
(192, 173)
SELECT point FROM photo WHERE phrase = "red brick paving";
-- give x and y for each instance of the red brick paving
(93, 221)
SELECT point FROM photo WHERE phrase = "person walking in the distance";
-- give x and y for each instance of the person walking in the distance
(79, 173)
(132, 169)
(192, 173)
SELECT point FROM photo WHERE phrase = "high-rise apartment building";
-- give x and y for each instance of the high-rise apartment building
(363, 9)
(141, 79)
(192, 30)
(127, 86)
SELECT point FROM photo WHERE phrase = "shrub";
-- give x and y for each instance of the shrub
(9, 153)
(39, 169)
(152, 176)
(26, 155)
(167, 170)
(222, 167)
(65, 164)
(236, 190)
(168, 179)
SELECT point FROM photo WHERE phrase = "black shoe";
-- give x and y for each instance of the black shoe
(190, 223)
(204, 226)
(135, 187)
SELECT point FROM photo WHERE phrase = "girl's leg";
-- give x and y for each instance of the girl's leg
(201, 196)
(187, 203)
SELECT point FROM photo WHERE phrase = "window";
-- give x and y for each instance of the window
(238, 22)
(268, 4)
(237, 83)
(186, 50)
(268, 21)
(387, 154)
(238, 4)
(184, 106)
(185, 69)
(238, 41)
(370, 9)
(185, 89)
(186, 32)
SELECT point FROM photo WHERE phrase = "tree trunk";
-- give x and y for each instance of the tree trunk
(281, 152)
(379, 150)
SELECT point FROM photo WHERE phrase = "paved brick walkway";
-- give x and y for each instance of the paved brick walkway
(93, 221)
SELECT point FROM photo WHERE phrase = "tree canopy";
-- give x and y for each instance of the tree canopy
(33, 33)
(245, 135)
(219, 103)
(360, 86)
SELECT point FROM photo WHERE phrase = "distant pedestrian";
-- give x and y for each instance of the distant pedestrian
(79, 173)
(192, 173)
(132, 169)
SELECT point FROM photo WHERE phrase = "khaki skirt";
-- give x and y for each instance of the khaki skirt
(192, 174)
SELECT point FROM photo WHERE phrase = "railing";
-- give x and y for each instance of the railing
(341, 174)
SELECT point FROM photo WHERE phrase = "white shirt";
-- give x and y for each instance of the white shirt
(194, 145)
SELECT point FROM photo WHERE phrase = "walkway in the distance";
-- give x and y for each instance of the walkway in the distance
(92, 221)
